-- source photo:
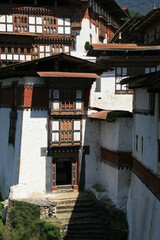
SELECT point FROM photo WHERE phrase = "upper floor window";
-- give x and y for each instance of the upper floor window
(120, 73)
(66, 101)
(150, 70)
(65, 131)
(64, 26)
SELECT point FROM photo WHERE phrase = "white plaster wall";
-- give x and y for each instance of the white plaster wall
(34, 137)
(109, 135)
(112, 136)
(125, 134)
(143, 212)
(92, 140)
(146, 126)
(9, 155)
(107, 99)
(107, 176)
(124, 177)
(83, 37)
(141, 99)
(117, 136)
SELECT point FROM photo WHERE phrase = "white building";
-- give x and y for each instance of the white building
(143, 205)
(42, 124)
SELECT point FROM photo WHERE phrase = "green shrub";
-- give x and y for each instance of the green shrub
(48, 231)
(26, 224)
(2, 227)
(87, 46)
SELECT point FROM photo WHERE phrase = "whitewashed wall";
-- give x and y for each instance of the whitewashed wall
(91, 139)
(115, 136)
(83, 37)
(9, 155)
(34, 137)
(146, 126)
(143, 212)
(106, 98)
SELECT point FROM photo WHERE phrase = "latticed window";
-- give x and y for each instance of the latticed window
(66, 131)
(121, 73)
(66, 100)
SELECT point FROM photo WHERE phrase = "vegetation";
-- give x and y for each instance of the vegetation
(135, 14)
(87, 46)
(25, 224)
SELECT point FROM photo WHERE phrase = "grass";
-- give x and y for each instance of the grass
(25, 224)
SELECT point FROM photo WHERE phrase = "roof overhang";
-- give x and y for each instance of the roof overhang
(67, 75)
(110, 115)
(60, 62)
(150, 81)
(104, 49)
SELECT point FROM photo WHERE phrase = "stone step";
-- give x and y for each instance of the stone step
(73, 200)
(77, 221)
(76, 205)
(70, 215)
(77, 210)
(86, 234)
(88, 228)
(84, 238)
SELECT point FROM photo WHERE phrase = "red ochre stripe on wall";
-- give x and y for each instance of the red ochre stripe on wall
(27, 96)
(122, 160)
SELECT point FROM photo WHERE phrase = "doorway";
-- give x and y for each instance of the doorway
(63, 172)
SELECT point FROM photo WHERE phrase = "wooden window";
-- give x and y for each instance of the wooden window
(120, 73)
(66, 100)
(12, 128)
(65, 131)
(67, 97)
(64, 26)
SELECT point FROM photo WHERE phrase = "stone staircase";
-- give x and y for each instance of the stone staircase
(79, 217)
